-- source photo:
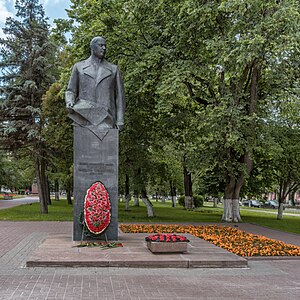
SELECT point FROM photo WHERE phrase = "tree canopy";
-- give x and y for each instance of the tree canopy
(212, 88)
(27, 62)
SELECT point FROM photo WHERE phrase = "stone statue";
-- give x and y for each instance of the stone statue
(95, 94)
(95, 102)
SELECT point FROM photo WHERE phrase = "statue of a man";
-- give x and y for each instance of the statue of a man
(95, 94)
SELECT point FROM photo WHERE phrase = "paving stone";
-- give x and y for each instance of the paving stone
(19, 282)
(59, 250)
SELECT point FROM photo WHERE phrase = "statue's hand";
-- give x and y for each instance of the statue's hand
(120, 127)
(69, 106)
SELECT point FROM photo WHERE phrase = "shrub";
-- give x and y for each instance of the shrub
(181, 201)
(198, 200)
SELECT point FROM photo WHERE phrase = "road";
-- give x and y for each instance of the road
(274, 211)
(18, 201)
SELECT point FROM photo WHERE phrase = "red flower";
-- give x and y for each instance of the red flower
(97, 208)
(168, 238)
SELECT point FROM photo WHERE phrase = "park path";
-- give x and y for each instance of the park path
(19, 240)
(274, 212)
(18, 201)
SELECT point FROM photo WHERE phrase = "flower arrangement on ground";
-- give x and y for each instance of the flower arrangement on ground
(101, 245)
(166, 238)
(166, 243)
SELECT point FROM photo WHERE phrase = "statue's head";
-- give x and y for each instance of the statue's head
(98, 47)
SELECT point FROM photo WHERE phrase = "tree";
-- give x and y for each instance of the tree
(210, 67)
(27, 61)
(59, 138)
(15, 173)
(242, 48)
(286, 159)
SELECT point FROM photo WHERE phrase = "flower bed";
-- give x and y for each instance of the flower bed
(231, 239)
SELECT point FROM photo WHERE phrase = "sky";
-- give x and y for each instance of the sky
(54, 9)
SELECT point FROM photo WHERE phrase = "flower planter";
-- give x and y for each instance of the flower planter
(166, 243)
(162, 247)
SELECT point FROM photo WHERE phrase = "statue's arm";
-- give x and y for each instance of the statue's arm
(120, 99)
(72, 90)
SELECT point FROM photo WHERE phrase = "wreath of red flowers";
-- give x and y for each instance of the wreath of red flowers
(97, 208)
(166, 237)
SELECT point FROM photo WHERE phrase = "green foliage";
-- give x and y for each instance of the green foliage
(28, 69)
(181, 200)
(27, 58)
(15, 173)
(198, 201)
(58, 135)
(201, 79)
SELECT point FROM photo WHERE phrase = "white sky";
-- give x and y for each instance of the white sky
(54, 9)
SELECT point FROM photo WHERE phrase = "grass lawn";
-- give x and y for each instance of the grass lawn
(58, 211)
(61, 211)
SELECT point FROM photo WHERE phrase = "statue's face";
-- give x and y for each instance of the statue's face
(99, 48)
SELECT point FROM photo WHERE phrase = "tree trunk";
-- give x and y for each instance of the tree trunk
(280, 211)
(188, 189)
(40, 172)
(69, 196)
(69, 190)
(173, 193)
(216, 201)
(56, 190)
(173, 201)
(283, 192)
(231, 211)
(48, 191)
(147, 202)
(292, 199)
(127, 192)
(136, 199)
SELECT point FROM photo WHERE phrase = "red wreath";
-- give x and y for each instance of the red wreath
(97, 208)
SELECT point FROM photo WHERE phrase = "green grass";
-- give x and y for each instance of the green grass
(61, 211)
(288, 223)
(166, 213)
(58, 211)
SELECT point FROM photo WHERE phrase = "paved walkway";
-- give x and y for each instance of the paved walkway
(262, 280)
(287, 212)
(18, 201)
(61, 251)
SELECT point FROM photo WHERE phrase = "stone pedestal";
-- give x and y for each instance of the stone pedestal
(95, 160)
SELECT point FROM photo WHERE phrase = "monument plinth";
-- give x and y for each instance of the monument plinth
(95, 160)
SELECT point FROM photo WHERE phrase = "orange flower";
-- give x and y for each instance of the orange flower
(231, 239)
